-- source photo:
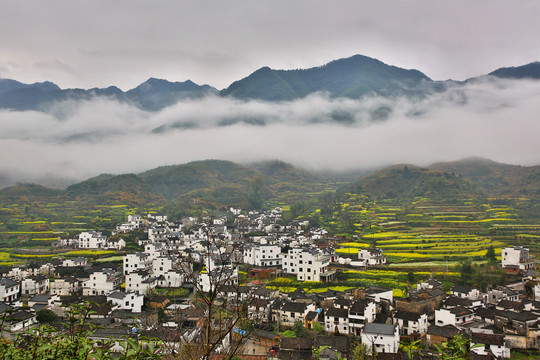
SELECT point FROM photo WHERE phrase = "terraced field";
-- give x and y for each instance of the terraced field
(437, 235)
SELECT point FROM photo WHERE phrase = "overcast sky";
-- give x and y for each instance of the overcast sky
(100, 43)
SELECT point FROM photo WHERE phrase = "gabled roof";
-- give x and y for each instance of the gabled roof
(40, 298)
(339, 343)
(462, 289)
(8, 283)
(311, 315)
(342, 302)
(452, 301)
(337, 312)
(485, 313)
(407, 315)
(460, 311)
(446, 331)
(296, 343)
(380, 329)
(359, 306)
(507, 304)
(487, 339)
(20, 316)
(294, 307)
(117, 295)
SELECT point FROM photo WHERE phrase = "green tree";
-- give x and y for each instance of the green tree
(255, 196)
(318, 328)
(456, 349)
(46, 316)
(299, 329)
(490, 254)
(466, 272)
(73, 342)
(361, 352)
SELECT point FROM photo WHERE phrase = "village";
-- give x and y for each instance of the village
(186, 273)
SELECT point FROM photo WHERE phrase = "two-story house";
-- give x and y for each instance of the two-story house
(102, 282)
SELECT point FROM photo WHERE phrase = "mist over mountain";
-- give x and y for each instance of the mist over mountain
(152, 95)
(352, 77)
(348, 115)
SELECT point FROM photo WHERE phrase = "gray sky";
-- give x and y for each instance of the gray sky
(100, 43)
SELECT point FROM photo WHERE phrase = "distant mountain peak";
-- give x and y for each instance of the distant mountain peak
(351, 77)
(528, 71)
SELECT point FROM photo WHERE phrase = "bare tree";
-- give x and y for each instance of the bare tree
(225, 327)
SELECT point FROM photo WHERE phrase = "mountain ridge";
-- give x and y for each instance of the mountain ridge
(218, 184)
(351, 77)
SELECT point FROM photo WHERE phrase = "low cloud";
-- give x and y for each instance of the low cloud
(492, 118)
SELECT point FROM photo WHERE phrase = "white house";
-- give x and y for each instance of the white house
(372, 256)
(20, 320)
(410, 323)
(78, 261)
(9, 290)
(157, 233)
(307, 263)
(383, 337)
(116, 244)
(208, 280)
(154, 250)
(130, 301)
(361, 312)
(92, 240)
(172, 278)
(379, 293)
(517, 256)
(136, 261)
(336, 320)
(455, 316)
(292, 312)
(259, 310)
(134, 222)
(140, 282)
(157, 218)
(163, 264)
(33, 285)
(491, 344)
(262, 255)
(102, 282)
(64, 287)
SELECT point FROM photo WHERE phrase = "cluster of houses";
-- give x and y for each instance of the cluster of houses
(206, 256)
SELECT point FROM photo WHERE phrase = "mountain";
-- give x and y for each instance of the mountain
(176, 180)
(352, 77)
(114, 189)
(217, 184)
(529, 71)
(152, 95)
(409, 181)
(495, 178)
(8, 85)
(156, 94)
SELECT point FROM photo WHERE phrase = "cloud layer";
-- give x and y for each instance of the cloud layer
(492, 118)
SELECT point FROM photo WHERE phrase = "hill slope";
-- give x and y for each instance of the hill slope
(408, 181)
(497, 179)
